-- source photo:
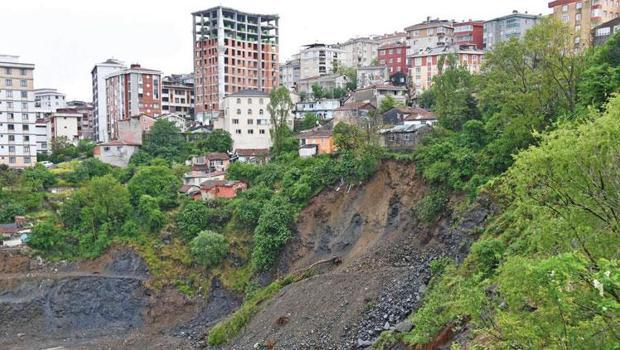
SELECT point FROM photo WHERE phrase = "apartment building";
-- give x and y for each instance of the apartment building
(394, 56)
(390, 38)
(41, 136)
(318, 60)
(430, 33)
(47, 101)
(18, 146)
(100, 100)
(585, 15)
(65, 124)
(469, 33)
(246, 118)
(131, 92)
(177, 95)
(425, 64)
(358, 52)
(85, 109)
(372, 75)
(501, 29)
(233, 51)
(603, 32)
(290, 73)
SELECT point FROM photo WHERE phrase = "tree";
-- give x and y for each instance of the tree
(348, 137)
(88, 169)
(158, 182)
(272, 232)
(164, 140)
(280, 106)
(150, 214)
(427, 99)
(63, 150)
(217, 141)
(309, 121)
(387, 103)
(318, 92)
(192, 219)
(209, 248)
(453, 89)
(602, 77)
(39, 178)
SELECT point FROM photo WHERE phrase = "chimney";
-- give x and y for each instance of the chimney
(515, 12)
(135, 66)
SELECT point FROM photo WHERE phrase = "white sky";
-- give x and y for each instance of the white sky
(65, 38)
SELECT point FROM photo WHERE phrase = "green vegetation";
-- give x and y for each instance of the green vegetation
(545, 273)
(209, 248)
(217, 141)
(309, 121)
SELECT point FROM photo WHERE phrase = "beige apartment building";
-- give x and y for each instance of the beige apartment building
(18, 145)
(584, 15)
(247, 119)
(429, 34)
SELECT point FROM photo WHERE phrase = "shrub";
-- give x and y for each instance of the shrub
(209, 248)
(431, 206)
(192, 219)
(272, 232)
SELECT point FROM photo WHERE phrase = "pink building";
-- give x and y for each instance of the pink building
(131, 92)
(213, 189)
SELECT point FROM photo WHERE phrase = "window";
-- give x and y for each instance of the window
(579, 5)
(260, 101)
(261, 131)
(24, 94)
(7, 71)
(578, 17)
(8, 82)
(26, 149)
(23, 83)
(565, 18)
(603, 31)
(238, 131)
(26, 127)
(24, 106)
(250, 121)
(565, 8)
(12, 160)
(429, 31)
(235, 121)
(250, 131)
(11, 126)
(12, 149)
(249, 111)
(12, 138)
(238, 101)
(9, 93)
(249, 101)
(27, 160)
(239, 111)
(25, 116)
(261, 112)
(26, 138)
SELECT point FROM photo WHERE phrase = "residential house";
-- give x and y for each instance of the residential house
(214, 189)
(404, 137)
(501, 29)
(116, 153)
(177, 95)
(603, 32)
(133, 130)
(372, 75)
(394, 55)
(359, 52)
(324, 108)
(430, 33)
(179, 120)
(215, 161)
(318, 60)
(408, 115)
(252, 155)
(327, 82)
(319, 140)
(469, 33)
(374, 94)
(196, 177)
(354, 113)
(290, 73)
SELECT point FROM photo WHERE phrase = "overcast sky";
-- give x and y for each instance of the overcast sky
(65, 38)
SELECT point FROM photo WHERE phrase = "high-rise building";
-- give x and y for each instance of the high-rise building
(132, 92)
(177, 95)
(501, 29)
(317, 60)
(100, 113)
(430, 33)
(469, 33)
(290, 73)
(584, 15)
(18, 146)
(233, 51)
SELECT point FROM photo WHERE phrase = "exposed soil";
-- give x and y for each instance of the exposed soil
(385, 258)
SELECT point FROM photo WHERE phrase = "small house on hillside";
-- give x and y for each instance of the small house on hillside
(404, 137)
(215, 161)
(315, 141)
(213, 189)
(408, 115)
(353, 113)
(116, 153)
(252, 155)
(197, 177)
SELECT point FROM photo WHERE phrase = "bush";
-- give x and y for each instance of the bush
(88, 169)
(272, 232)
(209, 248)
(156, 181)
(431, 206)
(192, 219)
(488, 254)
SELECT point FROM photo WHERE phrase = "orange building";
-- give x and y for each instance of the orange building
(583, 15)
(212, 189)
(321, 137)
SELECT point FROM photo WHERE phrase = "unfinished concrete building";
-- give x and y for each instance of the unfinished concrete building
(233, 51)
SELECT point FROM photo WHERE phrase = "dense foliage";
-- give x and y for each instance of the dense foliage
(209, 248)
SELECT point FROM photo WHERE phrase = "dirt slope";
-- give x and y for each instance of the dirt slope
(385, 265)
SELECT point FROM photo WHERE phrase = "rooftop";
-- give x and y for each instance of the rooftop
(249, 93)
(229, 9)
(252, 152)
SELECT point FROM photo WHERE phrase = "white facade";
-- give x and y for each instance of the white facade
(49, 100)
(324, 108)
(42, 137)
(18, 147)
(247, 120)
(359, 52)
(100, 115)
(177, 119)
(290, 73)
(372, 75)
(318, 60)
(65, 126)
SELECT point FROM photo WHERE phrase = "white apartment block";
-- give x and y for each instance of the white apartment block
(247, 119)
(177, 95)
(319, 59)
(48, 101)
(290, 73)
(359, 52)
(65, 125)
(18, 147)
(100, 115)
